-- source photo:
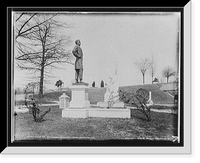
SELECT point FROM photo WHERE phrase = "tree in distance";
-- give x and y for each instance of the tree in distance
(93, 84)
(59, 83)
(168, 72)
(102, 83)
(143, 66)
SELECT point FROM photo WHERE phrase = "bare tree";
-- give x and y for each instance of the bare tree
(143, 66)
(33, 107)
(33, 86)
(152, 69)
(39, 46)
(168, 72)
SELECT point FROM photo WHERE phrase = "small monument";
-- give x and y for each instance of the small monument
(150, 101)
(63, 101)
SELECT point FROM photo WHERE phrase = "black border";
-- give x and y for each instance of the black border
(92, 143)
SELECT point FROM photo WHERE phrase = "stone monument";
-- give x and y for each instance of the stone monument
(150, 101)
(79, 106)
(63, 101)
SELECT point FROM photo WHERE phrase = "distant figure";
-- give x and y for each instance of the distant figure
(78, 53)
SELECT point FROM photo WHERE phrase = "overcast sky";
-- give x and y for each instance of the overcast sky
(116, 40)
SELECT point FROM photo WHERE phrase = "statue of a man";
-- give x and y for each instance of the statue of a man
(78, 53)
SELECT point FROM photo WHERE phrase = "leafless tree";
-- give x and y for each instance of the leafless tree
(168, 72)
(143, 66)
(152, 69)
(38, 45)
(33, 86)
(33, 107)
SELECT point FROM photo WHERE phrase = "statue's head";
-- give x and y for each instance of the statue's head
(78, 42)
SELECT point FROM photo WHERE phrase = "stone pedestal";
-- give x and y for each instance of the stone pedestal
(79, 102)
(79, 96)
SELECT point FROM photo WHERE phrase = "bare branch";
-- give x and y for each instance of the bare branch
(20, 33)
(19, 16)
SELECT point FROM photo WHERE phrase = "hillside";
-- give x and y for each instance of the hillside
(158, 96)
(134, 88)
(97, 94)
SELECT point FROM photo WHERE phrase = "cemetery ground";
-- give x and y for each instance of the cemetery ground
(162, 126)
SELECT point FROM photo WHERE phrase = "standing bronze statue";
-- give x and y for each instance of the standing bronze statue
(78, 53)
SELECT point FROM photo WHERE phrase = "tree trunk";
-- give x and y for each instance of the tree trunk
(143, 75)
(41, 82)
(33, 90)
(167, 79)
(42, 70)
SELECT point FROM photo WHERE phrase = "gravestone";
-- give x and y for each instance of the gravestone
(150, 101)
(63, 101)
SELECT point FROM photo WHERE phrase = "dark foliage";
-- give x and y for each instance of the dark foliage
(35, 111)
(139, 100)
(93, 84)
(102, 83)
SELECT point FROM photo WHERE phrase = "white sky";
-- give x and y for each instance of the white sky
(110, 40)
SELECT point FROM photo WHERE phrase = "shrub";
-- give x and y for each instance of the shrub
(139, 100)
(35, 111)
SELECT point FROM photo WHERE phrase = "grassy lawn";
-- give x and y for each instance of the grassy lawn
(162, 126)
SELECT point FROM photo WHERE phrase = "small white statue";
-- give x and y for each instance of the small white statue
(112, 89)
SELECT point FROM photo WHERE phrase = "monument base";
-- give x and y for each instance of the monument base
(115, 105)
(109, 113)
(79, 96)
(96, 112)
(74, 113)
(79, 104)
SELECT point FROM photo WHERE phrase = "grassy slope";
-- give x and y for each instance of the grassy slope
(158, 96)
(97, 94)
